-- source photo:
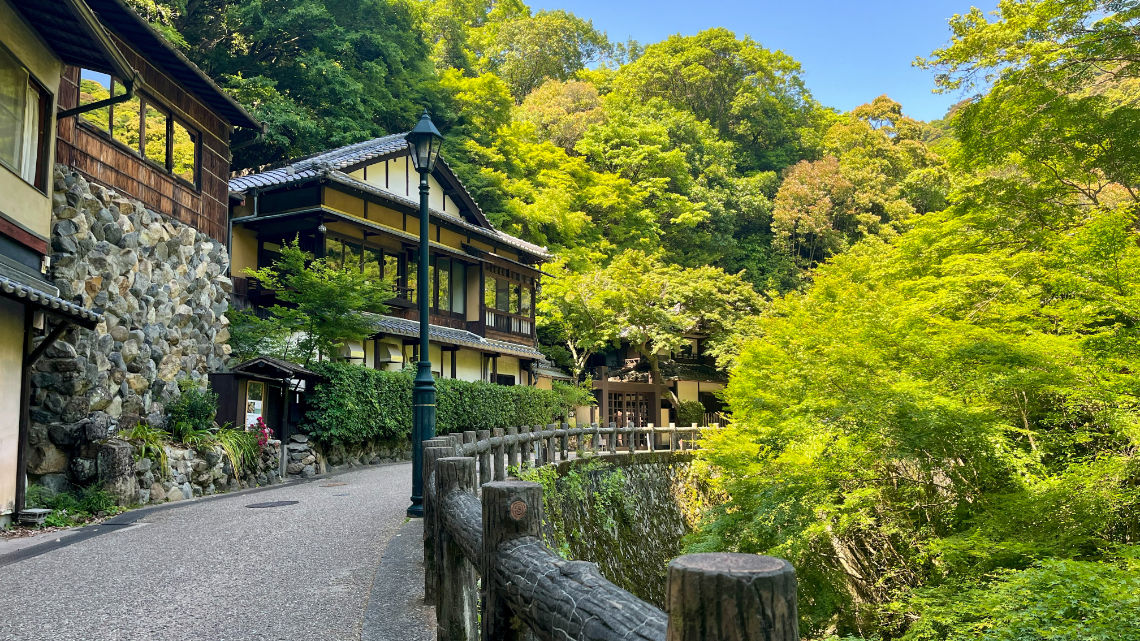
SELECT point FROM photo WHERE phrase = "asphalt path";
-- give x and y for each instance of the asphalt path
(218, 569)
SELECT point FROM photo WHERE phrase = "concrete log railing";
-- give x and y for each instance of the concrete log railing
(491, 577)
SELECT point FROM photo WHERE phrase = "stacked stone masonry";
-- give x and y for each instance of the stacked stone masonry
(163, 291)
(191, 473)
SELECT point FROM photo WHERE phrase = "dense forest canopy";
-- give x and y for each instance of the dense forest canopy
(931, 328)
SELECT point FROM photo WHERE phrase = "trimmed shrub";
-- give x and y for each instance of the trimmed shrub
(357, 404)
(689, 412)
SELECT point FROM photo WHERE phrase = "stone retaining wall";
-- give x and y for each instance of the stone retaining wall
(163, 291)
(305, 458)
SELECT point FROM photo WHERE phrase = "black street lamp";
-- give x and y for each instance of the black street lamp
(423, 142)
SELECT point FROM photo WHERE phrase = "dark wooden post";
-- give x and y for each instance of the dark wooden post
(511, 509)
(500, 454)
(731, 597)
(524, 446)
(564, 442)
(432, 453)
(551, 443)
(514, 447)
(457, 597)
(485, 471)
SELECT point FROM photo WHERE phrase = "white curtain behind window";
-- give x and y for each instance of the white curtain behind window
(31, 137)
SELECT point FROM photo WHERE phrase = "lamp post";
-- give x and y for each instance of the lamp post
(423, 144)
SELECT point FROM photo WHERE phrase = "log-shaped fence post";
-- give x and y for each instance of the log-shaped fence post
(731, 597)
(469, 437)
(524, 446)
(513, 447)
(651, 438)
(485, 471)
(595, 441)
(434, 450)
(630, 437)
(612, 439)
(538, 445)
(672, 437)
(457, 597)
(500, 455)
(564, 442)
(511, 509)
(551, 443)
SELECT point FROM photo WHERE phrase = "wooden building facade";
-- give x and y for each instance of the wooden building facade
(358, 206)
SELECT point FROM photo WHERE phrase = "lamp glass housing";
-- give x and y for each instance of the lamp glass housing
(424, 143)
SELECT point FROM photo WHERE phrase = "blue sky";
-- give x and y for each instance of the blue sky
(851, 51)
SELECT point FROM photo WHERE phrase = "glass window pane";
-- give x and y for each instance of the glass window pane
(185, 151)
(489, 293)
(458, 288)
(412, 269)
(502, 295)
(13, 102)
(93, 87)
(434, 285)
(155, 135)
(127, 119)
(443, 269)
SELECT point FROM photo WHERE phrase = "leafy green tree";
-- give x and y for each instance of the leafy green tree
(752, 96)
(879, 172)
(322, 306)
(562, 112)
(572, 311)
(527, 50)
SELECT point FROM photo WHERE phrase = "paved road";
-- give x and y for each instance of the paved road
(218, 570)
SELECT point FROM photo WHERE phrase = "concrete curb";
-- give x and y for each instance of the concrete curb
(396, 610)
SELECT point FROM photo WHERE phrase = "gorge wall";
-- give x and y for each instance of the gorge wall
(626, 514)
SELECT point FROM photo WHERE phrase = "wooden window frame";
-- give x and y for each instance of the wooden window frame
(146, 100)
(45, 135)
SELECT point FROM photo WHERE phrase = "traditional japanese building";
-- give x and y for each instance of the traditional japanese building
(114, 161)
(358, 206)
(625, 392)
(33, 52)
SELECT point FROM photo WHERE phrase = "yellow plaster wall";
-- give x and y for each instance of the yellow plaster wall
(23, 203)
(340, 201)
(687, 390)
(468, 365)
(243, 250)
(11, 357)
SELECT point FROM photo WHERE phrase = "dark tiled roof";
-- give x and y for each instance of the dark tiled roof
(452, 336)
(29, 294)
(259, 364)
(331, 165)
(314, 166)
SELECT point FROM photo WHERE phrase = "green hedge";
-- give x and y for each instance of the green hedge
(357, 404)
